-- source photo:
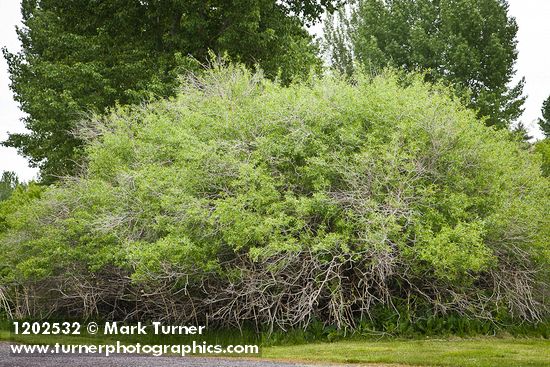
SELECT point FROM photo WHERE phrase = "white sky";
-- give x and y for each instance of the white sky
(9, 110)
(534, 63)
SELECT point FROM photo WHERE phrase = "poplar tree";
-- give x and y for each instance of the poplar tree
(470, 44)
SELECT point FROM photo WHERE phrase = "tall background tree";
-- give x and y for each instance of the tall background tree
(544, 121)
(85, 56)
(469, 43)
(543, 147)
(8, 183)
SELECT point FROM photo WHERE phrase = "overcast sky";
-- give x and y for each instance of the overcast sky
(533, 17)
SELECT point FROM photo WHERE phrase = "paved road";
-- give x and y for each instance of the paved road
(7, 359)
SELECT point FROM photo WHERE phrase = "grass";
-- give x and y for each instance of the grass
(472, 352)
(477, 352)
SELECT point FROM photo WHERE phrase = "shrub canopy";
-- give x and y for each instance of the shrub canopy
(243, 199)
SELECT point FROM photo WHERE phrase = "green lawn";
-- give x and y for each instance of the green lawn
(479, 352)
(475, 352)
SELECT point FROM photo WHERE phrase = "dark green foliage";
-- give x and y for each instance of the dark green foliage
(543, 149)
(544, 122)
(241, 200)
(82, 57)
(399, 322)
(521, 134)
(8, 183)
(392, 322)
(469, 43)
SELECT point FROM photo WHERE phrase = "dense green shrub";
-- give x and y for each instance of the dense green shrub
(244, 200)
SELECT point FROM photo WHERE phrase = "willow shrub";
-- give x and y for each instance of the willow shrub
(241, 199)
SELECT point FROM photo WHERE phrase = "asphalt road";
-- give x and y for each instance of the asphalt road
(7, 359)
